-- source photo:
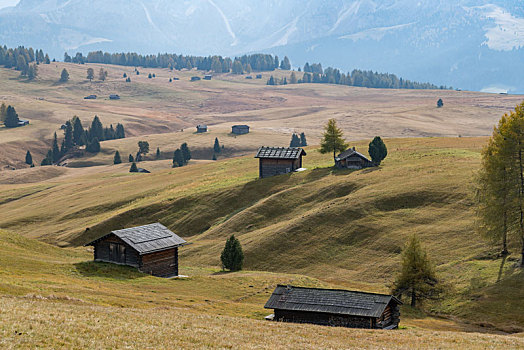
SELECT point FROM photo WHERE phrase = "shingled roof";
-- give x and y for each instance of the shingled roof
(147, 239)
(333, 301)
(349, 153)
(280, 152)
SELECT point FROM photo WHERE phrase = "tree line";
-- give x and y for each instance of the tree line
(357, 77)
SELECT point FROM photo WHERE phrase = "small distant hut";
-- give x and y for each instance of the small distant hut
(195, 78)
(351, 159)
(152, 248)
(259, 76)
(90, 97)
(201, 128)
(249, 77)
(334, 307)
(240, 129)
(114, 97)
(208, 77)
(279, 160)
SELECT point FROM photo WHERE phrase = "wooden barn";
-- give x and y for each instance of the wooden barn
(152, 248)
(201, 128)
(334, 307)
(114, 97)
(208, 77)
(351, 159)
(279, 160)
(240, 129)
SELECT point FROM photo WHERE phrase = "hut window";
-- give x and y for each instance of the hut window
(112, 251)
(122, 252)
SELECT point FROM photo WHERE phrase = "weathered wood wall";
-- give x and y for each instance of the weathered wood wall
(162, 264)
(325, 319)
(272, 167)
(102, 252)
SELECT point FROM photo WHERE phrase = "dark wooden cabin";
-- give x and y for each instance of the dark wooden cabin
(279, 160)
(351, 159)
(240, 129)
(152, 248)
(201, 128)
(114, 97)
(208, 77)
(334, 307)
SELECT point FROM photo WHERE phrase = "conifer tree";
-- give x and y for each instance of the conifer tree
(48, 160)
(116, 158)
(28, 158)
(55, 149)
(271, 81)
(377, 150)
(157, 153)
(417, 277)
(78, 131)
(3, 112)
(178, 159)
(232, 257)
(303, 141)
(120, 132)
(293, 78)
(440, 103)
(214, 157)
(134, 168)
(131, 159)
(32, 72)
(68, 136)
(186, 153)
(93, 146)
(143, 147)
(332, 140)
(295, 141)
(11, 117)
(97, 129)
(102, 74)
(216, 146)
(90, 74)
(285, 64)
(64, 76)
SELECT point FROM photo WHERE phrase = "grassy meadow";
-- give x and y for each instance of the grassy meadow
(320, 227)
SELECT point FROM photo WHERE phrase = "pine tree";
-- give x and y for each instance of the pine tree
(178, 159)
(186, 154)
(157, 153)
(93, 146)
(303, 141)
(143, 147)
(96, 130)
(32, 72)
(216, 146)
(102, 74)
(417, 277)
(237, 67)
(116, 158)
(232, 257)
(131, 159)
(120, 132)
(285, 64)
(150, 76)
(377, 150)
(134, 168)
(11, 117)
(28, 158)
(440, 103)
(68, 136)
(78, 131)
(332, 140)
(48, 160)
(3, 112)
(90, 74)
(293, 78)
(295, 141)
(64, 76)
(55, 149)
(271, 81)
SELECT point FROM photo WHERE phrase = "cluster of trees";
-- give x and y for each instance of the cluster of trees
(298, 141)
(500, 191)
(219, 64)
(21, 58)
(181, 156)
(79, 58)
(75, 135)
(8, 116)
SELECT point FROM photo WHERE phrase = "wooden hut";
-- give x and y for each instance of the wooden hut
(240, 129)
(334, 307)
(201, 128)
(114, 97)
(208, 77)
(152, 248)
(351, 159)
(279, 160)
(195, 78)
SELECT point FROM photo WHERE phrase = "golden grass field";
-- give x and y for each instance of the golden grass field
(320, 227)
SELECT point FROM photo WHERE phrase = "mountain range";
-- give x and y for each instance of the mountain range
(467, 44)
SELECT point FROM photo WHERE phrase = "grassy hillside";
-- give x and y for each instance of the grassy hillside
(342, 227)
(106, 306)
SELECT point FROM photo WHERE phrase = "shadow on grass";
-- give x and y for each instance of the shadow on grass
(107, 270)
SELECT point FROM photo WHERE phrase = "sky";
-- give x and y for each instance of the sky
(6, 3)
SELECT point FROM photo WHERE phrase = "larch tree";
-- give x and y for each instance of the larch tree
(64, 76)
(417, 277)
(90, 74)
(332, 141)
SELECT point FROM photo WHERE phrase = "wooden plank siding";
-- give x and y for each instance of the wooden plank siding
(271, 167)
(162, 264)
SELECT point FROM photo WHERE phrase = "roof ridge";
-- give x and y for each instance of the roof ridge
(336, 289)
